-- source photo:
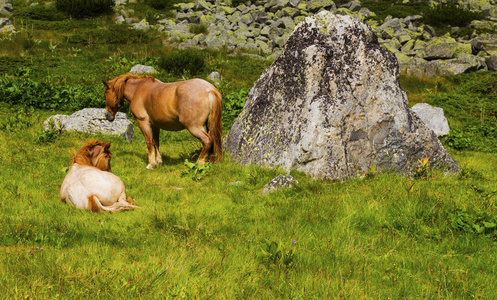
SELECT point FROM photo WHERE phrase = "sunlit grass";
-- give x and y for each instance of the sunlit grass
(388, 236)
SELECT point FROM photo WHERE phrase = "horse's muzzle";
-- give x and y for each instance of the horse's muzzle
(109, 116)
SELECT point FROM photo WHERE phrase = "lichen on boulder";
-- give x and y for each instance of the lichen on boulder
(331, 106)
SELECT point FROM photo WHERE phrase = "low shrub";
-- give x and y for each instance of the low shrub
(85, 8)
(158, 4)
(115, 34)
(451, 14)
(394, 8)
(41, 13)
(198, 28)
(189, 61)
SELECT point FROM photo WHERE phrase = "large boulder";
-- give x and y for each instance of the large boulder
(92, 120)
(331, 106)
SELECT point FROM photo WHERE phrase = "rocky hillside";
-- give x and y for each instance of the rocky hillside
(262, 28)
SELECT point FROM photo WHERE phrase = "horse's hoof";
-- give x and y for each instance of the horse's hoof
(150, 167)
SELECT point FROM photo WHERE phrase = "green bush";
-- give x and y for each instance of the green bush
(188, 61)
(41, 12)
(451, 14)
(84, 8)
(394, 8)
(115, 34)
(25, 91)
(158, 4)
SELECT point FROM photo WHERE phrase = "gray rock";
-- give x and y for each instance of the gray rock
(492, 62)
(485, 43)
(92, 120)
(316, 5)
(142, 69)
(142, 25)
(433, 117)
(281, 181)
(331, 106)
(214, 77)
(6, 7)
(4, 22)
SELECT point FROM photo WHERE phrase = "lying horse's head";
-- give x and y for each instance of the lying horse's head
(94, 153)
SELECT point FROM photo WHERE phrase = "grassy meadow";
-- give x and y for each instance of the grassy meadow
(211, 233)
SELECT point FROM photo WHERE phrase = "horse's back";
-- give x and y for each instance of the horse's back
(175, 105)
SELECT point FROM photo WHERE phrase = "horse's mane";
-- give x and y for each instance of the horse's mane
(94, 153)
(120, 81)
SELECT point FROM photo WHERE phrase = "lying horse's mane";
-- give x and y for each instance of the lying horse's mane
(94, 153)
(120, 81)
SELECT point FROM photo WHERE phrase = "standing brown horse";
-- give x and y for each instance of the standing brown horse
(189, 104)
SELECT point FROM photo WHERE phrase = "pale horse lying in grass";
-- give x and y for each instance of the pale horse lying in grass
(90, 185)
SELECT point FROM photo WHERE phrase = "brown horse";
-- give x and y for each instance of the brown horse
(189, 104)
(90, 185)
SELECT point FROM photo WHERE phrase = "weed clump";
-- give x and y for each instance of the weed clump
(84, 8)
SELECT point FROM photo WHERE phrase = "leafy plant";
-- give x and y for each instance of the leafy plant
(51, 134)
(187, 61)
(467, 221)
(372, 172)
(24, 90)
(84, 8)
(273, 253)
(458, 140)
(424, 170)
(197, 171)
(233, 104)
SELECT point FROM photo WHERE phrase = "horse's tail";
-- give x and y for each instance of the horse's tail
(215, 124)
(95, 205)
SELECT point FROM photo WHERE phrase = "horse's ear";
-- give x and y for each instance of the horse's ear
(106, 84)
(107, 146)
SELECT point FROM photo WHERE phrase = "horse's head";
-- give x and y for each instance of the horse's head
(96, 154)
(114, 99)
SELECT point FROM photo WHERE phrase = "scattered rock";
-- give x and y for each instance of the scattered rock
(433, 117)
(281, 181)
(142, 69)
(92, 120)
(214, 77)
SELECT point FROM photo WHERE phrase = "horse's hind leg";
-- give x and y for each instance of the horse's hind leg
(156, 142)
(205, 139)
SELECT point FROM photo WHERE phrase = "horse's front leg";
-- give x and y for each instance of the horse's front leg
(147, 133)
(156, 136)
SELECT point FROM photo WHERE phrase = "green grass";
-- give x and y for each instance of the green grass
(384, 236)
(388, 236)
